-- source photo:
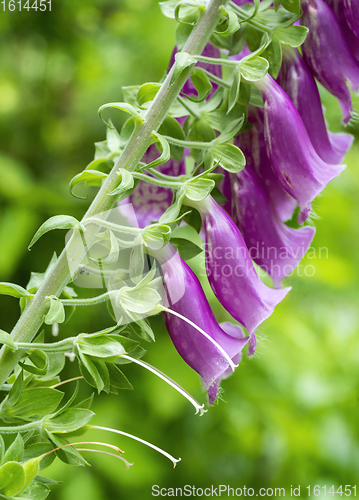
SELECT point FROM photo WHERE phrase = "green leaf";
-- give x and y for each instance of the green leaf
(68, 455)
(155, 237)
(143, 329)
(108, 241)
(113, 138)
(168, 8)
(202, 84)
(2, 449)
(31, 468)
(91, 177)
(39, 360)
(33, 403)
(126, 184)
(147, 92)
(166, 152)
(291, 6)
(172, 128)
(141, 301)
(117, 379)
(231, 25)
(90, 372)
(253, 70)
(69, 421)
(194, 219)
(198, 189)
(230, 131)
(187, 249)
(218, 196)
(16, 390)
(15, 451)
(183, 31)
(56, 312)
(5, 338)
(13, 290)
(137, 261)
(182, 61)
(100, 346)
(36, 491)
(56, 222)
(273, 54)
(124, 106)
(244, 93)
(256, 98)
(292, 35)
(172, 212)
(234, 90)
(200, 131)
(12, 479)
(230, 157)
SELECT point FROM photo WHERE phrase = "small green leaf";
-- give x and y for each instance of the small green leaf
(143, 329)
(291, 6)
(172, 128)
(5, 338)
(126, 184)
(40, 360)
(253, 70)
(273, 54)
(113, 138)
(172, 212)
(56, 312)
(292, 35)
(56, 222)
(100, 346)
(231, 25)
(34, 402)
(147, 92)
(69, 421)
(90, 372)
(31, 468)
(198, 189)
(36, 490)
(183, 61)
(68, 455)
(187, 249)
(166, 152)
(16, 390)
(12, 479)
(15, 451)
(117, 379)
(13, 290)
(194, 220)
(141, 301)
(124, 106)
(90, 177)
(137, 261)
(183, 31)
(155, 237)
(202, 84)
(230, 157)
(234, 90)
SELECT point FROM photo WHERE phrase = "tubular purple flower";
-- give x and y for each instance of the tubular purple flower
(252, 143)
(298, 83)
(351, 12)
(275, 247)
(148, 200)
(327, 53)
(348, 23)
(230, 269)
(302, 173)
(184, 295)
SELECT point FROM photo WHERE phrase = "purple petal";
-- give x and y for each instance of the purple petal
(298, 83)
(231, 272)
(327, 53)
(185, 296)
(275, 247)
(351, 12)
(302, 173)
(253, 146)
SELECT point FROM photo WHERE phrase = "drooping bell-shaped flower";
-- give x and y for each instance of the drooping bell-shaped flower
(349, 31)
(327, 53)
(184, 295)
(297, 81)
(252, 143)
(351, 12)
(230, 269)
(302, 173)
(148, 200)
(275, 247)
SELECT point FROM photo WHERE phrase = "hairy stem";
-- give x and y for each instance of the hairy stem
(31, 320)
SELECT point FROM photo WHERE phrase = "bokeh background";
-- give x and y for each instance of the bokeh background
(287, 417)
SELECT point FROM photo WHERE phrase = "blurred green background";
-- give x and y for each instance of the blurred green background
(287, 417)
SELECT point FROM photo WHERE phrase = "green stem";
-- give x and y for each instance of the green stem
(61, 346)
(217, 60)
(157, 182)
(188, 107)
(89, 302)
(160, 175)
(243, 18)
(189, 144)
(31, 319)
(216, 79)
(20, 428)
(112, 225)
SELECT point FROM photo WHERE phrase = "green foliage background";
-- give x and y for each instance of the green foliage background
(289, 416)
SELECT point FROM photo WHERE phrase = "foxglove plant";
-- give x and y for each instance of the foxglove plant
(145, 166)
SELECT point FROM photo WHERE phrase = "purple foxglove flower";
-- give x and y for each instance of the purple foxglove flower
(148, 200)
(327, 53)
(185, 296)
(275, 247)
(302, 173)
(209, 51)
(252, 144)
(351, 12)
(230, 269)
(298, 83)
